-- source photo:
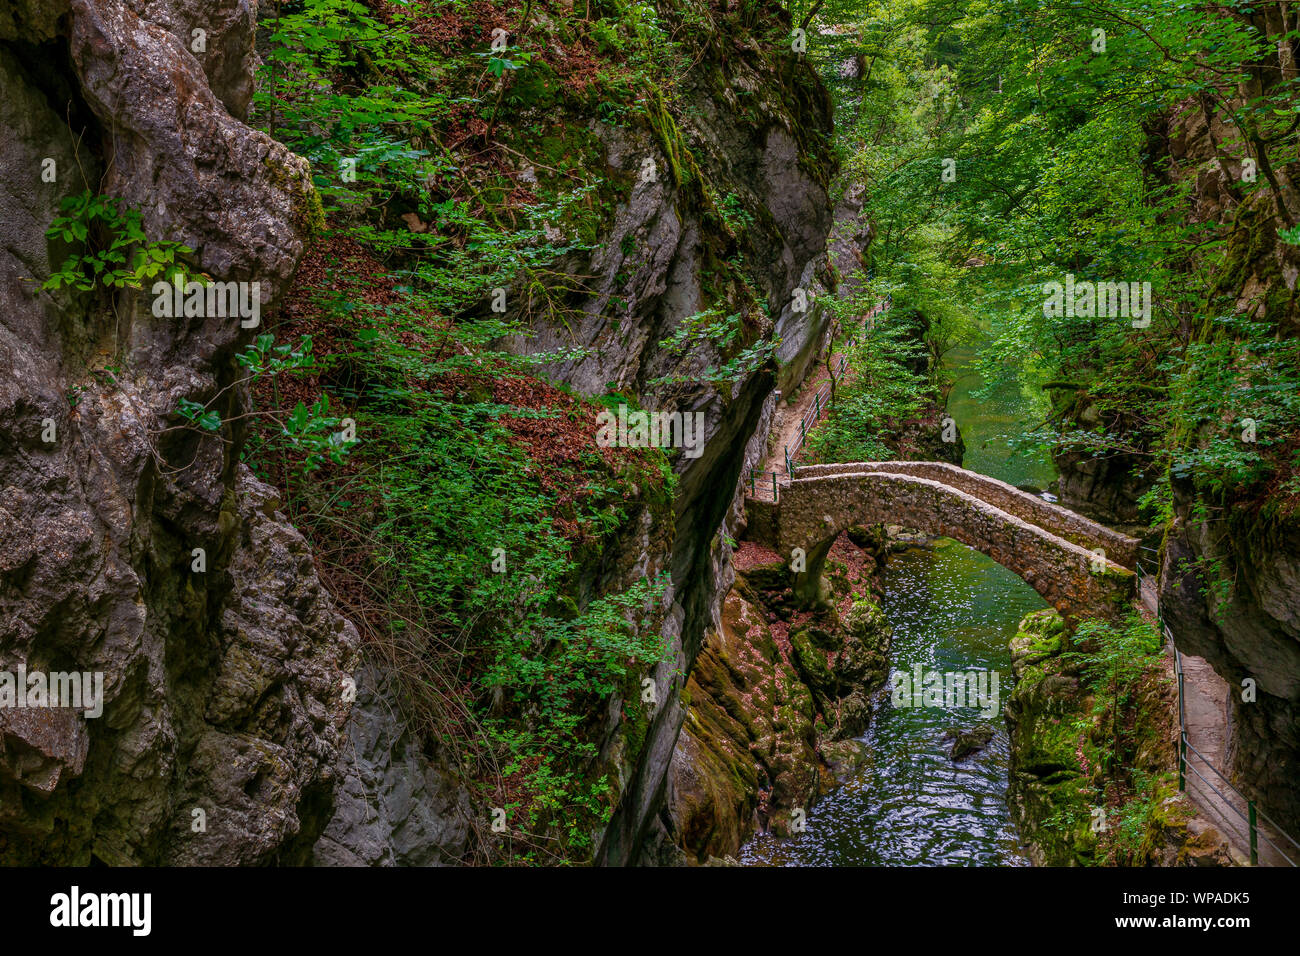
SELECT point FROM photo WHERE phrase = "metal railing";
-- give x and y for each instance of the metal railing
(821, 403)
(1253, 813)
(1148, 570)
(1148, 567)
(754, 484)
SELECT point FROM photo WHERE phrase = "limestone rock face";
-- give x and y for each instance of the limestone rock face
(392, 806)
(225, 688)
(1056, 773)
(1104, 489)
(31, 20)
(1248, 633)
(749, 716)
(219, 34)
(1250, 630)
(664, 258)
(775, 699)
(263, 764)
(198, 175)
(1044, 775)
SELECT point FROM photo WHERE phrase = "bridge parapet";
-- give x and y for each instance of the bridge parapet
(1060, 521)
(817, 506)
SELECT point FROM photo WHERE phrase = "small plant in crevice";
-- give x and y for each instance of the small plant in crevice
(109, 247)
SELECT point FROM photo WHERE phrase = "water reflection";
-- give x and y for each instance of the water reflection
(989, 423)
(952, 609)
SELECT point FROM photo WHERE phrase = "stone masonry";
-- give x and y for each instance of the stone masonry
(1047, 545)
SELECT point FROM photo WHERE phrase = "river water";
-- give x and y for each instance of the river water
(952, 609)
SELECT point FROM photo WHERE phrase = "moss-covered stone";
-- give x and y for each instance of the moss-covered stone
(1075, 801)
(767, 705)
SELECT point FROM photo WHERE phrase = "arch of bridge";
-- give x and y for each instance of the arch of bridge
(945, 500)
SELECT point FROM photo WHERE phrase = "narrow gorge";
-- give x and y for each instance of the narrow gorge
(649, 433)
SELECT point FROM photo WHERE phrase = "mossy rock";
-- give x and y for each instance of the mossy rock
(871, 539)
(1040, 635)
(1042, 624)
(852, 716)
(868, 624)
(766, 577)
(812, 666)
(820, 638)
(845, 758)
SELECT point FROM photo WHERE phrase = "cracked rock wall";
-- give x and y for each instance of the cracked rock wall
(224, 689)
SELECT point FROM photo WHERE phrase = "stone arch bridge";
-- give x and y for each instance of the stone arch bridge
(1051, 547)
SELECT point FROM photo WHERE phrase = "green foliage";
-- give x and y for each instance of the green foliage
(497, 65)
(1114, 660)
(309, 430)
(314, 431)
(559, 670)
(109, 247)
(736, 217)
(1109, 748)
(508, 671)
(711, 326)
(881, 393)
(1061, 168)
(726, 334)
(1115, 656)
(1128, 830)
(450, 494)
(1239, 392)
(197, 414)
(265, 358)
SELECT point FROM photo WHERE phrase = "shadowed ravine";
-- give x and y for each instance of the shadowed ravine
(952, 609)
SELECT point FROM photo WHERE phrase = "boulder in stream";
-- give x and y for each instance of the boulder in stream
(968, 742)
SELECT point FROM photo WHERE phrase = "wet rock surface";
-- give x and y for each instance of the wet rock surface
(776, 698)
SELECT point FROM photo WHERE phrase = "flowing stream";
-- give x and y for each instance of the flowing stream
(952, 609)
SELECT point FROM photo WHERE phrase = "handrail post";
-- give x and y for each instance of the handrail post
(818, 400)
(1182, 711)
(774, 487)
(1182, 762)
(1254, 835)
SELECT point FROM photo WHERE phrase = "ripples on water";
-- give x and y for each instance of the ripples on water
(952, 609)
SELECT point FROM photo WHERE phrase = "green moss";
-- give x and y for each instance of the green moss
(1076, 750)
(308, 213)
(811, 662)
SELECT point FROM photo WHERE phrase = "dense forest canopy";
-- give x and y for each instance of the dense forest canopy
(1048, 119)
